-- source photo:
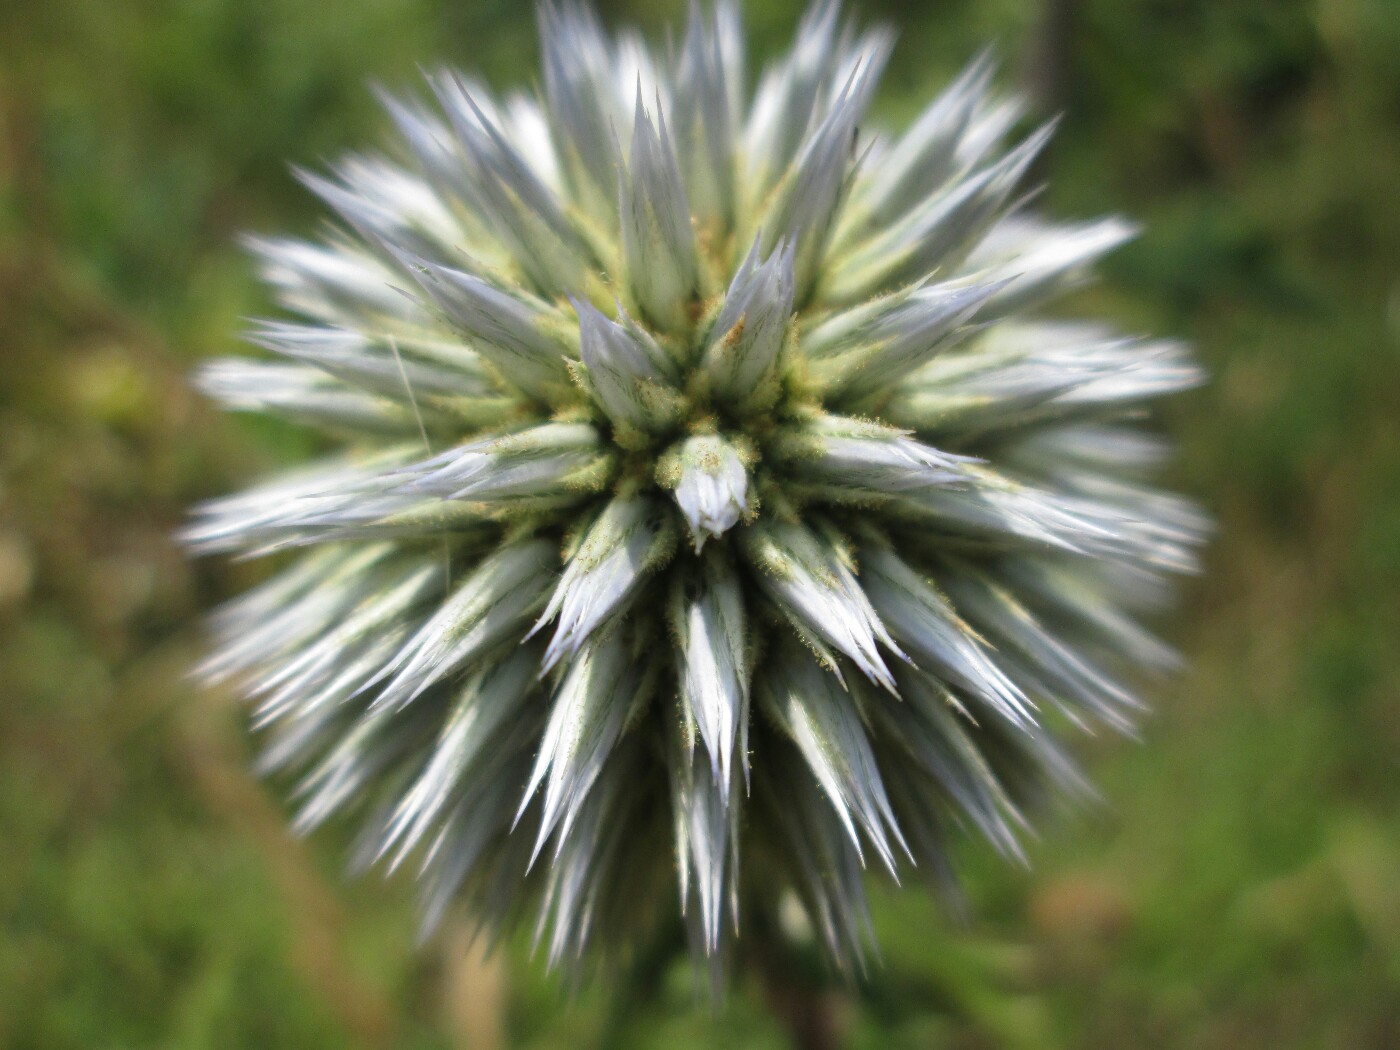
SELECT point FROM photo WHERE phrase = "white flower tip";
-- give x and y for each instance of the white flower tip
(712, 489)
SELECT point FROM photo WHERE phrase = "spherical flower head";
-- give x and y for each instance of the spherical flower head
(711, 503)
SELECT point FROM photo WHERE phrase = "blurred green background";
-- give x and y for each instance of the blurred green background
(1240, 886)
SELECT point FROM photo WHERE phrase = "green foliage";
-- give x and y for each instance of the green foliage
(1237, 889)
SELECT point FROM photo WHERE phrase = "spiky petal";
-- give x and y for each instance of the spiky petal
(713, 650)
(631, 539)
(746, 340)
(658, 243)
(810, 579)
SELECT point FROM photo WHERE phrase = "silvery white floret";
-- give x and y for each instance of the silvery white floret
(514, 332)
(856, 461)
(310, 505)
(582, 90)
(941, 742)
(747, 338)
(794, 94)
(488, 607)
(628, 542)
(522, 210)
(707, 848)
(380, 199)
(629, 375)
(304, 395)
(811, 706)
(335, 283)
(658, 244)
(595, 697)
(1037, 260)
(805, 207)
(928, 154)
(492, 705)
(810, 579)
(708, 94)
(560, 332)
(943, 228)
(553, 461)
(713, 649)
(870, 348)
(926, 624)
(710, 483)
(1020, 373)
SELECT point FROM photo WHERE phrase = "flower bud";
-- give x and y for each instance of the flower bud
(710, 484)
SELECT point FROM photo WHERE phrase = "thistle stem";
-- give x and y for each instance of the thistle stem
(800, 999)
(810, 1014)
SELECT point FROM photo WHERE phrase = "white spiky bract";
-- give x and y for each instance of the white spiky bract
(703, 468)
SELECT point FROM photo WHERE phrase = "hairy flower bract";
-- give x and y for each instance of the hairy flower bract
(712, 503)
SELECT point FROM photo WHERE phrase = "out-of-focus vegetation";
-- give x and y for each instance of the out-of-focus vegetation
(1239, 888)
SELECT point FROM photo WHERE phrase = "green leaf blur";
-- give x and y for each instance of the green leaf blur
(1238, 887)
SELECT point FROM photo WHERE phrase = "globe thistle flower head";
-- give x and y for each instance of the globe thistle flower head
(711, 506)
